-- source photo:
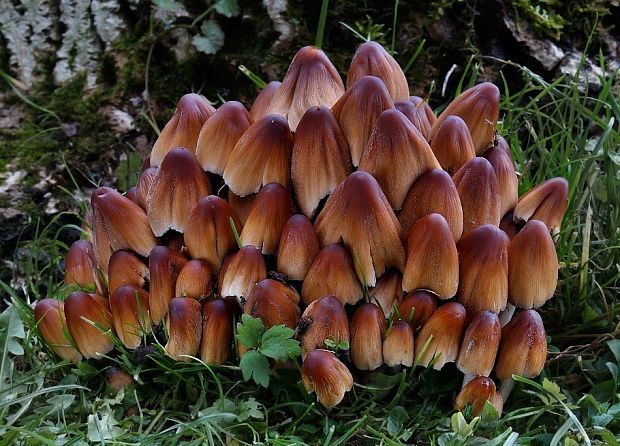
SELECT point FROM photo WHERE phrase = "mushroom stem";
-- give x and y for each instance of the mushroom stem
(506, 387)
(506, 314)
(467, 377)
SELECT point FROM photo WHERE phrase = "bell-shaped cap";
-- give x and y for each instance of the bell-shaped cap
(164, 267)
(479, 108)
(532, 266)
(371, 59)
(179, 184)
(240, 271)
(446, 326)
(183, 128)
(398, 346)
(241, 205)
(298, 247)
(219, 135)
(368, 326)
(416, 308)
(194, 280)
(452, 144)
(483, 269)
(89, 322)
(118, 223)
(117, 378)
(426, 112)
(126, 268)
(388, 291)
(546, 202)
(324, 319)
(209, 234)
(479, 192)
(358, 213)
(145, 181)
(311, 80)
(320, 160)
(81, 268)
(476, 392)
(261, 156)
(132, 194)
(184, 329)
(332, 272)
(415, 115)
(270, 211)
(129, 305)
(262, 102)
(49, 315)
(217, 331)
(523, 350)
(506, 178)
(480, 344)
(432, 258)
(357, 112)
(433, 192)
(396, 155)
(322, 372)
(274, 303)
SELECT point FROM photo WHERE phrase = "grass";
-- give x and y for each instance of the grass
(554, 129)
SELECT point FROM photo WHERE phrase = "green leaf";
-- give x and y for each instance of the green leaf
(255, 366)
(11, 331)
(250, 409)
(228, 8)
(250, 330)
(395, 421)
(211, 37)
(277, 343)
(614, 346)
(167, 5)
(128, 171)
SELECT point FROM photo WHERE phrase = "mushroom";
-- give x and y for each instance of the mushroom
(89, 322)
(183, 128)
(126, 268)
(396, 154)
(145, 181)
(219, 134)
(417, 307)
(506, 177)
(432, 258)
(298, 247)
(194, 280)
(263, 100)
(268, 216)
(479, 346)
(217, 331)
(371, 59)
(184, 324)
(445, 330)
(398, 345)
(433, 192)
(320, 159)
(311, 80)
(49, 315)
(322, 372)
(452, 145)
(332, 273)
(546, 202)
(241, 205)
(368, 326)
(477, 392)
(178, 185)
(129, 306)
(261, 156)
(388, 291)
(81, 267)
(358, 213)
(240, 271)
(209, 232)
(324, 319)
(479, 108)
(357, 112)
(274, 303)
(164, 268)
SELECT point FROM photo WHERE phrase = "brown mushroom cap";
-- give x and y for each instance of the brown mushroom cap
(398, 346)
(388, 291)
(368, 327)
(323, 373)
(184, 328)
(164, 268)
(90, 340)
(480, 344)
(546, 202)
(298, 247)
(523, 350)
(217, 331)
(129, 306)
(452, 145)
(81, 267)
(262, 102)
(446, 326)
(324, 319)
(49, 315)
(274, 303)
(477, 392)
(417, 307)
(194, 280)
(126, 268)
(506, 177)
(240, 271)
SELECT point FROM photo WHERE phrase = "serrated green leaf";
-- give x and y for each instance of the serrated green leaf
(211, 37)
(11, 331)
(228, 8)
(250, 330)
(277, 343)
(255, 366)
(250, 409)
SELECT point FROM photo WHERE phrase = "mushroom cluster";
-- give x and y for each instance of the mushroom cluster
(351, 214)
